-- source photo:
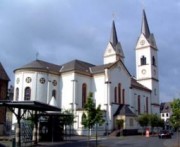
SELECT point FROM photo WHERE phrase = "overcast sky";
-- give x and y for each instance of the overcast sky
(64, 30)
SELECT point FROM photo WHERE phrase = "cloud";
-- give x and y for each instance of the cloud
(63, 30)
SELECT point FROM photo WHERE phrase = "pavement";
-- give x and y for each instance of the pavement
(82, 141)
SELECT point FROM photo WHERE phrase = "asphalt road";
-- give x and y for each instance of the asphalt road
(128, 141)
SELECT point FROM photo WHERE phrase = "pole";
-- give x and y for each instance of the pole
(96, 136)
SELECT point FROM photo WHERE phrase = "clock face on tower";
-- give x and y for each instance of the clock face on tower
(142, 42)
(143, 71)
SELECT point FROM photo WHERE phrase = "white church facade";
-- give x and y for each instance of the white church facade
(120, 95)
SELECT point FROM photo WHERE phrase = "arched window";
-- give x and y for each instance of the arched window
(119, 92)
(139, 104)
(123, 96)
(54, 93)
(115, 94)
(147, 105)
(84, 94)
(17, 94)
(143, 60)
(27, 93)
(153, 61)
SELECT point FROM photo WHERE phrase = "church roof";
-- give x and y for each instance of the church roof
(145, 27)
(77, 65)
(3, 74)
(113, 38)
(41, 65)
(100, 68)
(124, 109)
(135, 84)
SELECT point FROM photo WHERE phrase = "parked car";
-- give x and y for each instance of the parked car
(164, 134)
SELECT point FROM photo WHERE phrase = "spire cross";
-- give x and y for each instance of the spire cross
(37, 55)
(142, 3)
(113, 16)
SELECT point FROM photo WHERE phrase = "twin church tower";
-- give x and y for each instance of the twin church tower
(146, 58)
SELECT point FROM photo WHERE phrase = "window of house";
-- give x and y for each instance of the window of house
(155, 92)
(153, 61)
(123, 96)
(131, 122)
(119, 93)
(54, 93)
(27, 93)
(143, 60)
(17, 94)
(167, 114)
(162, 114)
(139, 104)
(147, 108)
(84, 94)
(115, 94)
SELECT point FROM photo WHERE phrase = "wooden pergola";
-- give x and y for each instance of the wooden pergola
(16, 108)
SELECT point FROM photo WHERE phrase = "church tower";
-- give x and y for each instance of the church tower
(114, 50)
(147, 63)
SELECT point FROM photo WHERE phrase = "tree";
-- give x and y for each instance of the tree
(175, 117)
(155, 121)
(68, 119)
(119, 123)
(92, 115)
(143, 121)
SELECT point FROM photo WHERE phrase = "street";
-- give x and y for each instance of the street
(126, 141)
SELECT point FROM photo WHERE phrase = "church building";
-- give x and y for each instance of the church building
(120, 95)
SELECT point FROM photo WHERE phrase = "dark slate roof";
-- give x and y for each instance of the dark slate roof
(124, 110)
(29, 105)
(77, 65)
(3, 74)
(135, 84)
(165, 107)
(100, 68)
(145, 28)
(41, 65)
(113, 38)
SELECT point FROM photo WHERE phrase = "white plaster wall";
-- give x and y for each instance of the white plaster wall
(67, 90)
(100, 90)
(80, 80)
(143, 95)
(119, 75)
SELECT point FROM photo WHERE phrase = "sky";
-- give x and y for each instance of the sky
(64, 30)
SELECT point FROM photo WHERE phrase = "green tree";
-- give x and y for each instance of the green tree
(68, 120)
(119, 123)
(175, 117)
(92, 115)
(155, 121)
(143, 121)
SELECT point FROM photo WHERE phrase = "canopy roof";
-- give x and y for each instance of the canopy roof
(29, 105)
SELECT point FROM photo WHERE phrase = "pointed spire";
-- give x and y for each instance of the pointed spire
(145, 28)
(113, 38)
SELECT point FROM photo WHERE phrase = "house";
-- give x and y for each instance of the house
(4, 79)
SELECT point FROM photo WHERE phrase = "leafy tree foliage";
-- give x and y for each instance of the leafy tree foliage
(143, 120)
(69, 120)
(152, 120)
(175, 117)
(92, 115)
(120, 123)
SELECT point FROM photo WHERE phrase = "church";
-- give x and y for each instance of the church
(120, 95)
